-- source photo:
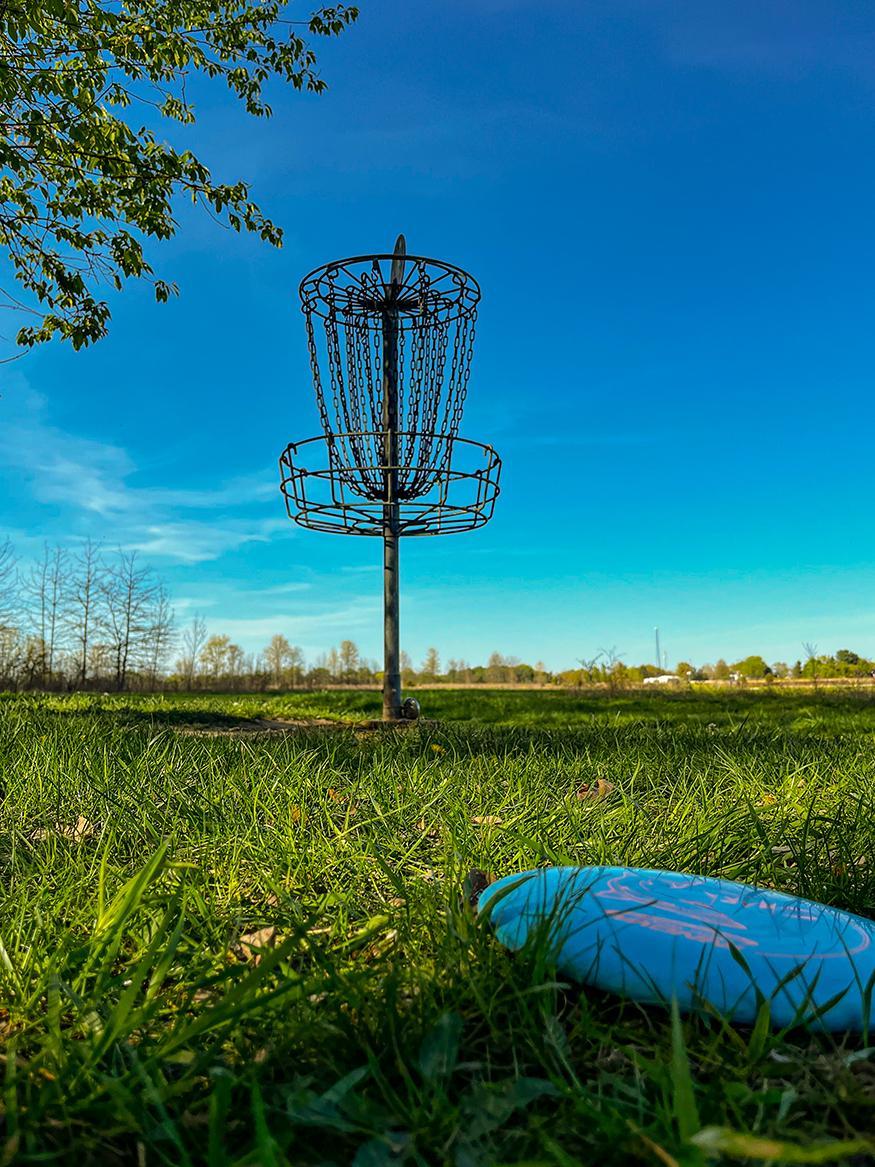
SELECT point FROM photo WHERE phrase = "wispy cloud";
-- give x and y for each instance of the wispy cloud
(311, 629)
(192, 604)
(282, 589)
(90, 485)
(195, 542)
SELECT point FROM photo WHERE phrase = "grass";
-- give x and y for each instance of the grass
(224, 948)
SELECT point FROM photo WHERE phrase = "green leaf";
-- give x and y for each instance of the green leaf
(440, 1048)
(81, 187)
(715, 1140)
(489, 1106)
(684, 1109)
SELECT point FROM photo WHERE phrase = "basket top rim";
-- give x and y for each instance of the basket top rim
(329, 285)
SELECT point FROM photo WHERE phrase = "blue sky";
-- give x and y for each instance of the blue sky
(669, 209)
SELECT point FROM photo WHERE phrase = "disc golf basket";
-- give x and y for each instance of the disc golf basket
(391, 339)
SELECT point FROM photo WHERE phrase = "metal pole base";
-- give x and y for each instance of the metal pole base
(391, 645)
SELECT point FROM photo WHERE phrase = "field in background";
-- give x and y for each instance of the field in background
(227, 946)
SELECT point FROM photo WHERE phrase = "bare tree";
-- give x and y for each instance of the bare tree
(160, 634)
(589, 665)
(129, 594)
(83, 610)
(46, 588)
(235, 664)
(612, 667)
(8, 581)
(101, 659)
(193, 640)
(11, 653)
(296, 665)
(810, 651)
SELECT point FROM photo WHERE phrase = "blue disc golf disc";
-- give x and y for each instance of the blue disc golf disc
(655, 936)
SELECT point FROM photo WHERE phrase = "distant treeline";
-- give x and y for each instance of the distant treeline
(92, 619)
(81, 619)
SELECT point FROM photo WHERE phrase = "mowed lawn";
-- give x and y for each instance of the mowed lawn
(224, 946)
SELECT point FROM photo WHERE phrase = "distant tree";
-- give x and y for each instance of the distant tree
(613, 670)
(160, 635)
(431, 666)
(83, 609)
(11, 652)
(31, 662)
(495, 668)
(721, 670)
(213, 656)
(295, 665)
(193, 640)
(847, 657)
(45, 587)
(810, 667)
(852, 664)
(100, 661)
(8, 594)
(589, 670)
(780, 668)
(685, 670)
(235, 663)
(277, 657)
(348, 661)
(752, 668)
(130, 592)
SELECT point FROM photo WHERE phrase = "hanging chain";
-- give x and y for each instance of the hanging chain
(435, 347)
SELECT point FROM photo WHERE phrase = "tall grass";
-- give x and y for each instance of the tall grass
(252, 948)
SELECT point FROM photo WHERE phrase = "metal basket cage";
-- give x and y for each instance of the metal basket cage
(323, 493)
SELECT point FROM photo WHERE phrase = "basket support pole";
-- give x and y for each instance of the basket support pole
(391, 633)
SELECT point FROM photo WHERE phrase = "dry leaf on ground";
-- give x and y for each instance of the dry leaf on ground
(76, 832)
(593, 791)
(486, 820)
(252, 944)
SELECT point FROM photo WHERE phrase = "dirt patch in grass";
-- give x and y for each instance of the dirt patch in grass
(259, 725)
(262, 725)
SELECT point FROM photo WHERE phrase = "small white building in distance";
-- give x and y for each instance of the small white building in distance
(663, 679)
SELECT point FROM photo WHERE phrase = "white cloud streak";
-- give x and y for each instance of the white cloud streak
(88, 483)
